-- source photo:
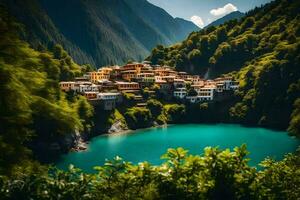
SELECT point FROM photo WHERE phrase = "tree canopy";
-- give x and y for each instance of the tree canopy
(217, 174)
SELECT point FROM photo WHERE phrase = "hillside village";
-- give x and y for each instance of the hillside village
(109, 85)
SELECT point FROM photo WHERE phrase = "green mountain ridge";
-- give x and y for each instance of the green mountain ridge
(33, 108)
(226, 18)
(98, 32)
(261, 51)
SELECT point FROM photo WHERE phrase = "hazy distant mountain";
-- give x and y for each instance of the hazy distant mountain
(99, 32)
(230, 16)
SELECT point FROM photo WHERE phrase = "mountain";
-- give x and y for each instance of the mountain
(33, 107)
(226, 18)
(185, 25)
(261, 51)
(98, 32)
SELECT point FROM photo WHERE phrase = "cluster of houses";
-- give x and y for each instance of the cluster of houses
(108, 84)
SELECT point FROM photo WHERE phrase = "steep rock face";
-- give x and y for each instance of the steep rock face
(98, 32)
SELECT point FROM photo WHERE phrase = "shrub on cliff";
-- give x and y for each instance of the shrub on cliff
(138, 117)
(174, 113)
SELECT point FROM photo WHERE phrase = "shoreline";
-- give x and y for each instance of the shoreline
(130, 131)
(144, 131)
(123, 132)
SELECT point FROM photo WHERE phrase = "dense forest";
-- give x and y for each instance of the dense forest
(32, 105)
(261, 51)
(35, 112)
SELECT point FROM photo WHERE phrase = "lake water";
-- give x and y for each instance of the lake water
(150, 144)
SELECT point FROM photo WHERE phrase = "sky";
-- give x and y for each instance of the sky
(203, 12)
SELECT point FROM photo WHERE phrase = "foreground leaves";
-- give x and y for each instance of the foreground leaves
(216, 174)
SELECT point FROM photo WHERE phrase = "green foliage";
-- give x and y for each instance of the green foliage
(280, 179)
(269, 87)
(145, 93)
(138, 117)
(294, 127)
(194, 54)
(86, 113)
(155, 107)
(69, 69)
(33, 108)
(128, 100)
(192, 92)
(174, 113)
(116, 116)
(216, 174)
(263, 48)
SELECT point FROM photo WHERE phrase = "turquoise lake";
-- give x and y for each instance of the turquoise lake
(150, 144)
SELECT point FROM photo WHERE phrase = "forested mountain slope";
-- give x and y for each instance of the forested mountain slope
(228, 47)
(234, 15)
(261, 51)
(33, 108)
(99, 32)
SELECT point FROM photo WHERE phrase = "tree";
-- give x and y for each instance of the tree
(249, 21)
(216, 174)
(33, 110)
(59, 52)
(294, 126)
(194, 55)
(175, 113)
(137, 117)
(192, 92)
(146, 93)
(155, 107)
(86, 113)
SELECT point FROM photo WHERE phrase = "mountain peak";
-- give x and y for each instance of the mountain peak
(228, 17)
(99, 32)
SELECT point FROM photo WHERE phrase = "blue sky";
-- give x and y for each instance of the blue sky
(202, 12)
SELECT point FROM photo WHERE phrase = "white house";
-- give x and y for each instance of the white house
(180, 93)
(179, 83)
(109, 100)
(234, 86)
(108, 96)
(88, 88)
(226, 81)
(145, 78)
(205, 93)
(83, 87)
(220, 87)
(192, 99)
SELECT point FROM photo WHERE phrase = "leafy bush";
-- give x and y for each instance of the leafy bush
(33, 108)
(262, 48)
(174, 113)
(155, 107)
(138, 117)
(216, 174)
(294, 127)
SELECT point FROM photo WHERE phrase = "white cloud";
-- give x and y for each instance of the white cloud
(198, 21)
(228, 8)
